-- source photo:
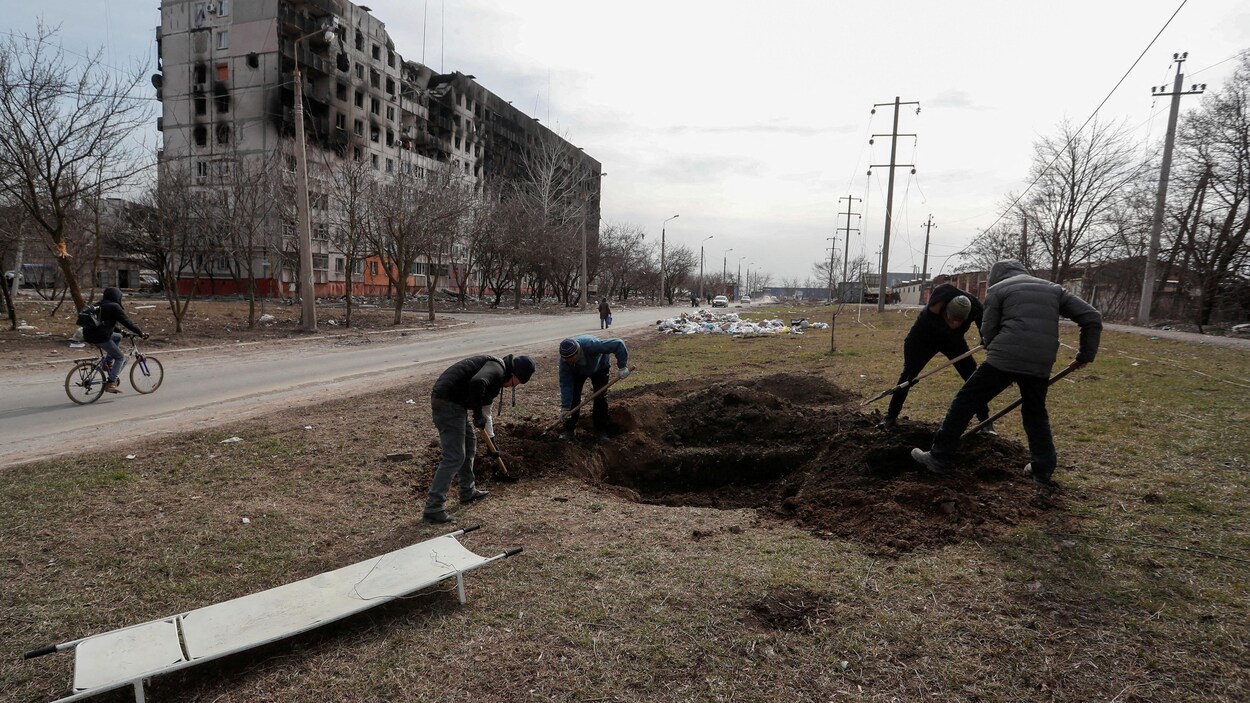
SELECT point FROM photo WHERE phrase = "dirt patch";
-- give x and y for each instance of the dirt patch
(796, 449)
(790, 610)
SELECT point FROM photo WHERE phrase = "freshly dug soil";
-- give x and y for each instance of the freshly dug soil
(795, 448)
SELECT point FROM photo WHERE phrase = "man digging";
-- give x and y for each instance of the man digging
(1020, 330)
(584, 357)
(468, 385)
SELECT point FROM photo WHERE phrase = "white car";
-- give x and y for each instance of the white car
(745, 300)
(720, 301)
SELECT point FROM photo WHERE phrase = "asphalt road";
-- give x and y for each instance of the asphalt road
(210, 386)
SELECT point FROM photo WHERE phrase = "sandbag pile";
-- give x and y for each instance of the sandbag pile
(709, 322)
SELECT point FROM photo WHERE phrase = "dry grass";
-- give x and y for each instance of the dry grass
(621, 601)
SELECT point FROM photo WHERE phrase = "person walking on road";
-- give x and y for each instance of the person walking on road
(605, 314)
(106, 337)
(1020, 329)
(586, 357)
(940, 327)
(467, 386)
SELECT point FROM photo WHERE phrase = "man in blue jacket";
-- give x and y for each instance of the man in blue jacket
(469, 385)
(586, 357)
(1020, 329)
(940, 327)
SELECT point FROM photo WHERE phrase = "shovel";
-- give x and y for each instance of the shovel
(1016, 403)
(914, 381)
(502, 473)
(569, 413)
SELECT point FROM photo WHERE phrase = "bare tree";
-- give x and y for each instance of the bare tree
(1080, 176)
(623, 255)
(679, 263)
(353, 209)
(65, 134)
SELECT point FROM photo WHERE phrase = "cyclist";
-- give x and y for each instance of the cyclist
(106, 337)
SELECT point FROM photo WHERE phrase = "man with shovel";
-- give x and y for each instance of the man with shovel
(1020, 330)
(468, 385)
(940, 327)
(584, 357)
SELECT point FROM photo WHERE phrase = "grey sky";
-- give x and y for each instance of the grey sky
(750, 119)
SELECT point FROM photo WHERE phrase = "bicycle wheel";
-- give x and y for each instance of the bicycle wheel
(146, 374)
(85, 382)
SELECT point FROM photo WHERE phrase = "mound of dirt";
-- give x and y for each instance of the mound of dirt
(788, 447)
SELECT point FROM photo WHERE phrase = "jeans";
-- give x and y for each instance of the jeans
(917, 352)
(114, 354)
(599, 412)
(459, 444)
(603, 322)
(986, 383)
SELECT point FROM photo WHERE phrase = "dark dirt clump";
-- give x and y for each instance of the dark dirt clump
(790, 610)
(794, 448)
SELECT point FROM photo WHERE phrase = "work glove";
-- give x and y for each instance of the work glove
(622, 373)
(490, 426)
(479, 419)
(145, 335)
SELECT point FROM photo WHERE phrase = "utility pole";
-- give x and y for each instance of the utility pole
(724, 270)
(889, 193)
(663, 288)
(924, 267)
(1161, 196)
(846, 252)
(832, 253)
(1024, 238)
(308, 297)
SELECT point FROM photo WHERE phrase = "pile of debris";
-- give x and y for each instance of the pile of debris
(709, 322)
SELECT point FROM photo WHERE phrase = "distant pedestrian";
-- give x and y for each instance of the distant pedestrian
(469, 385)
(605, 314)
(940, 327)
(586, 357)
(1020, 330)
(694, 300)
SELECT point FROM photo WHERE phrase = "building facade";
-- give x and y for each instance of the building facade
(226, 83)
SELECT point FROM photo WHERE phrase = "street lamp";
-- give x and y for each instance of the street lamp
(585, 278)
(663, 289)
(738, 280)
(701, 264)
(724, 273)
(307, 294)
(748, 291)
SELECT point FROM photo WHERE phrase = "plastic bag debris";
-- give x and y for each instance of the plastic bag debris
(708, 322)
(231, 440)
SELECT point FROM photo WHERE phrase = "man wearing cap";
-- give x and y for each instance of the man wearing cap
(586, 357)
(468, 385)
(940, 327)
(1021, 333)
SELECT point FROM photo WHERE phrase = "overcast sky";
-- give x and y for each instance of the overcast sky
(751, 119)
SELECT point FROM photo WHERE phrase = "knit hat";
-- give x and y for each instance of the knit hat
(569, 348)
(523, 367)
(958, 309)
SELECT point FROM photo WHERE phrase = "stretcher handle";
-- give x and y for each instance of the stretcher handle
(50, 649)
(470, 528)
(513, 552)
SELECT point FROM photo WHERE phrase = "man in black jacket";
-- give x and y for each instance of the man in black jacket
(1020, 330)
(940, 327)
(106, 337)
(468, 385)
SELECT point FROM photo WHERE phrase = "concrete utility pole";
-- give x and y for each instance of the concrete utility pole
(663, 288)
(1161, 196)
(701, 263)
(846, 252)
(308, 296)
(724, 268)
(924, 267)
(832, 253)
(889, 193)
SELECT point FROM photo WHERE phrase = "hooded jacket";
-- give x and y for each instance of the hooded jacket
(1020, 327)
(111, 315)
(473, 382)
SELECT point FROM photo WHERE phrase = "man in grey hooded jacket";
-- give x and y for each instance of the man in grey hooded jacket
(1020, 330)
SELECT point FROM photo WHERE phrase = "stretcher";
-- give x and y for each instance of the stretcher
(133, 655)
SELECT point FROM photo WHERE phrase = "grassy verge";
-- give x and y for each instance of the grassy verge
(616, 600)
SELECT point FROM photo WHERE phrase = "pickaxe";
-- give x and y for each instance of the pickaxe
(1016, 403)
(914, 381)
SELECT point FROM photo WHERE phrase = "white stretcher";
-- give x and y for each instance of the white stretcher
(132, 655)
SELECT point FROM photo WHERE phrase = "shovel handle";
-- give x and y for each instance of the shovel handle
(1016, 403)
(494, 453)
(926, 374)
(569, 413)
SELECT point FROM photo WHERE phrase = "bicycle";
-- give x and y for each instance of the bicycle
(85, 382)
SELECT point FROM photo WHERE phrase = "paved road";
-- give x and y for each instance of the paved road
(208, 387)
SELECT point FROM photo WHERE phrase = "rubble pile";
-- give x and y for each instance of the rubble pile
(709, 322)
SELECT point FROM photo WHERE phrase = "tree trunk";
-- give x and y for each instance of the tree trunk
(71, 280)
(347, 288)
(8, 304)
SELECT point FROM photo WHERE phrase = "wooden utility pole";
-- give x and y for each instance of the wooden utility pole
(846, 251)
(889, 192)
(924, 267)
(1161, 196)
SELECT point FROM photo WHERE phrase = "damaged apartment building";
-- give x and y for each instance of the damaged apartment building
(226, 85)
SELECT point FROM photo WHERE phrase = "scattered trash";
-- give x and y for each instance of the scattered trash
(232, 440)
(76, 345)
(708, 322)
(332, 323)
(246, 521)
(410, 401)
(399, 456)
(145, 307)
(308, 427)
(25, 326)
(130, 456)
(266, 319)
(1135, 364)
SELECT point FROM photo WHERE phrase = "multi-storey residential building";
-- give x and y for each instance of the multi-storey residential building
(227, 93)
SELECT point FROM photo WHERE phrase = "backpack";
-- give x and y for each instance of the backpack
(89, 316)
